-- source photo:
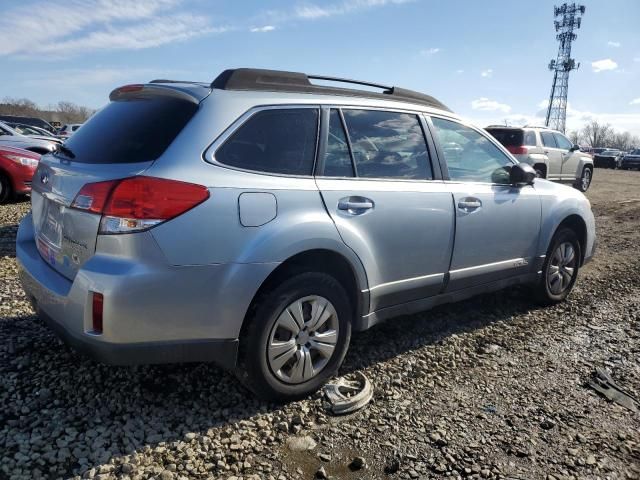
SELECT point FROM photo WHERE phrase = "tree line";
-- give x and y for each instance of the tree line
(63, 112)
(596, 134)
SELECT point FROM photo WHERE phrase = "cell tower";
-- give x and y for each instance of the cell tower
(571, 18)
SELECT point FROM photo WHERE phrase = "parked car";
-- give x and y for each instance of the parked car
(17, 167)
(34, 132)
(258, 220)
(549, 152)
(67, 130)
(609, 158)
(9, 137)
(631, 160)
(32, 121)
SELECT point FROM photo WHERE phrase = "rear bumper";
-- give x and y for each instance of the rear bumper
(221, 352)
(153, 312)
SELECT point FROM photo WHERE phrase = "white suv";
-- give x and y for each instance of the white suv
(549, 152)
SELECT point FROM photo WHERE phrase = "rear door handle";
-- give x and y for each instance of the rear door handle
(469, 204)
(355, 205)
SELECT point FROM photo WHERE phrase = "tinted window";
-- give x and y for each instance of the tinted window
(337, 159)
(471, 157)
(530, 138)
(562, 142)
(129, 131)
(387, 144)
(548, 140)
(274, 141)
(507, 137)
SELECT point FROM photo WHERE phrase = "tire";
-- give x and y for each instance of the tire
(271, 324)
(6, 192)
(585, 179)
(547, 290)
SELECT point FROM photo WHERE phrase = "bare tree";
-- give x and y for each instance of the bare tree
(574, 136)
(65, 112)
(597, 134)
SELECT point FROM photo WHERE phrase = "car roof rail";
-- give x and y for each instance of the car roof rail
(503, 126)
(294, 82)
(544, 127)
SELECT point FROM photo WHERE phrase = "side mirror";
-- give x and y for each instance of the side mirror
(574, 148)
(522, 174)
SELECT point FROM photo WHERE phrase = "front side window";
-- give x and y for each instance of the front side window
(388, 145)
(470, 156)
(274, 141)
(562, 142)
(548, 140)
(337, 159)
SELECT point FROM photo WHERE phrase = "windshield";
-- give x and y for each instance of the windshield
(130, 130)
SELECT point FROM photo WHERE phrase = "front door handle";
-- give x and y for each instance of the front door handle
(469, 204)
(355, 205)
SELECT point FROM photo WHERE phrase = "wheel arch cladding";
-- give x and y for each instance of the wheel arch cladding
(577, 224)
(316, 260)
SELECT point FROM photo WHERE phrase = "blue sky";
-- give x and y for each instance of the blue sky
(485, 59)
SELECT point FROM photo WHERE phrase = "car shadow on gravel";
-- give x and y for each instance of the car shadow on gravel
(140, 407)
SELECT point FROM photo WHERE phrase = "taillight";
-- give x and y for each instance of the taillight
(97, 304)
(517, 150)
(138, 203)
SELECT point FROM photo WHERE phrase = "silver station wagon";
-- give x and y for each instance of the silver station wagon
(258, 220)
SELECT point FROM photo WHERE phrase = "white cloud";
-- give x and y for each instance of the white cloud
(73, 26)
(484, 104)
(603, 65)
(635, 101)
(429, 51)
(636, 59)
(576, 119)
(313, 11)
(266, 28)
(614, 44)
(460, 71)
(488, 73)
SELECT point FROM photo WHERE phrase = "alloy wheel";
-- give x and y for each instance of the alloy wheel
(303, 339)
(562, 268)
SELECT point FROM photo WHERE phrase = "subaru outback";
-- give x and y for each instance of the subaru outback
(258, 220)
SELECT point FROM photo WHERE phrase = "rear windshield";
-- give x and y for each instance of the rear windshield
(508, 138)
(130, 131)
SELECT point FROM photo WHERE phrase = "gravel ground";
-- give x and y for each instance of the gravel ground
(493, 387)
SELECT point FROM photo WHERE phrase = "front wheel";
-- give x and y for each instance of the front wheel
(585, 179)
(297, 337)
(560, 268)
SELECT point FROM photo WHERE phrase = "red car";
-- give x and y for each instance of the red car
(17, 167)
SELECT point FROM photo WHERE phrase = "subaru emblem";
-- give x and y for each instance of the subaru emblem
(44, 178)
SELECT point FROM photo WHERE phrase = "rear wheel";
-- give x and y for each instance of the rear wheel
(560, 269)
(6, 191)
(585, 179)
(297, 337)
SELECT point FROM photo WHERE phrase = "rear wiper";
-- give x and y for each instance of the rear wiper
(66, 150)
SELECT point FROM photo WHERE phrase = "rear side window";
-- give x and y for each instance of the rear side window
(129, 131)
(530, 138)
(274, 141)
(508, 137)
(387, 144)
(548, 140)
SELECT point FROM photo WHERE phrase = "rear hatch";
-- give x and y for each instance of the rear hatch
(120, 141)
(511, 138)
